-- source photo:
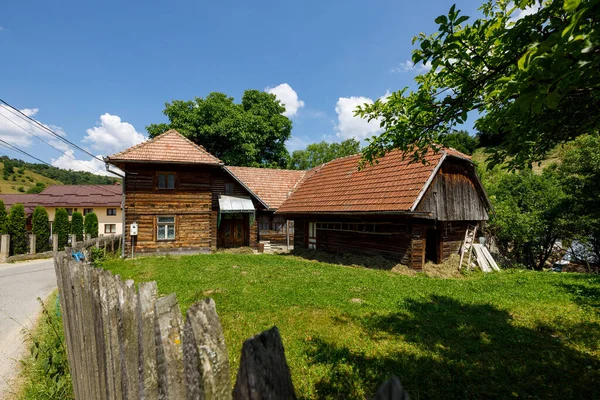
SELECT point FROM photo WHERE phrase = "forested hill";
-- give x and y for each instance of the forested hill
(17, 176)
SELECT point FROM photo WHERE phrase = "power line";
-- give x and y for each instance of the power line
(44, 127)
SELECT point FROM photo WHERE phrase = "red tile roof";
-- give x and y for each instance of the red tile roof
(272, 186)
(168, 147)
(392, 185)
(68, 196)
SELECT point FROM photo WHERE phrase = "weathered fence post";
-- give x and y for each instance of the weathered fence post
(169, 353)
(32, 243)
(88, 236)
(391, 390)
(147, 296)
(73, 240)
(205, 353)
(4, 247)
(55, 242)
(264, 373)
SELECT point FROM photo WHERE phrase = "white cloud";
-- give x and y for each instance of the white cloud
(69, 161)
(297, 143)
(522, 13)
(288, 97)
(13, 128)
(112, 135)
(409, 66)
(349, 126)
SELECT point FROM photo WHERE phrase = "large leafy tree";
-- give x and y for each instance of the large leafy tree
(41, 229)
(3, 227)
(61, 227)
(532, 81)
(319, 153)
(17, 229)
(251, 133)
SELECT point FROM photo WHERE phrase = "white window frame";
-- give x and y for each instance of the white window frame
(164, 225)
(107, 225)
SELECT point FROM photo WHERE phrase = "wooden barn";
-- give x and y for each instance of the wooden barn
(409, 212)
(183, 199)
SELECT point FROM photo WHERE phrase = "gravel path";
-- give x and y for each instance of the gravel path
(20, 286)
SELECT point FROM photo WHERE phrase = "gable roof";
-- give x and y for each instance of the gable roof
(170, 147)
(392, 185)
(271, 186)
(68, 196)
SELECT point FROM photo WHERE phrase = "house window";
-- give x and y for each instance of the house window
(110, 228)
(264, 223)
(87, 211)
(229, 188)
(111, 211)
(69, 211)
(165, 180)
(165, 228)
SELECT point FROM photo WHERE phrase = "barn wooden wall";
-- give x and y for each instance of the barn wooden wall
(453, 195)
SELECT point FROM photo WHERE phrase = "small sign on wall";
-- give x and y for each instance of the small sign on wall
(133, 229)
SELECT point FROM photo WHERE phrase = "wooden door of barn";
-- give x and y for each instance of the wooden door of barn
(233, 232)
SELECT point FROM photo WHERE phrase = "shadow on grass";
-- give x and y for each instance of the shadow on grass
(443, 348)
(587, 297)
(376, 262)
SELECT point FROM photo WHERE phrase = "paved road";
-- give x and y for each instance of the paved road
(20, 286)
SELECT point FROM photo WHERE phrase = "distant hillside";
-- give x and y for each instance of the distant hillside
(17, 176)
(479, 156)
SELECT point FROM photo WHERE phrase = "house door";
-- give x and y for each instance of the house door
(312, 235)
(432, 246)
(232, 231)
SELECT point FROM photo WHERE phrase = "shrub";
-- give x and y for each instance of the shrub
(17, 229)
(61, 227)
(77, 225)
(38, 188)
(21, 189)
(3, 227)
(91, 224)
(41, 229)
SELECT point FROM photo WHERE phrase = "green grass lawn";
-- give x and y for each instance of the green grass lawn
(514, 334)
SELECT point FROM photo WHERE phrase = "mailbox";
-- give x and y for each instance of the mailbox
(133, 228)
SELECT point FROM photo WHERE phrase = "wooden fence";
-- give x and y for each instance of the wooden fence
(127, 343)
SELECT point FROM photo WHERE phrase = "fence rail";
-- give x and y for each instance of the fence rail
(125, 342)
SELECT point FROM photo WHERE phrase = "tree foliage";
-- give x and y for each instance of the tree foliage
(61, 227)
(41, 229)
(91, 224)
(251, 133)
(77, 225)
(579, 172)
(319, 153)
(461, 141)
(533, 81)
(17, 229)
(529, 216)
(3, 226)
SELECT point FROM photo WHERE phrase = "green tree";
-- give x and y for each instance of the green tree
(91, 224)
(17, 229)
(38, 188)
(529, 216)
(61, 227)
(319, 153)
(41, 229)
(533, 81)
(461, 141)
(77, 225)
(579, 171)
(251, 133)
(3, 226)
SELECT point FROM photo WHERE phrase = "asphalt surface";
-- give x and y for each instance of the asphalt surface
(20, 286)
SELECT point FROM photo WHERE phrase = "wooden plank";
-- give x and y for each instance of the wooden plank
(147, 295)
(129, 345)
(205, 354)
(115, 335)
(169, 352)
(264, 373)
(391, 390)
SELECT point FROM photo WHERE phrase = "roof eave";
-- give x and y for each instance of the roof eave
(375, 212)
(113, 161)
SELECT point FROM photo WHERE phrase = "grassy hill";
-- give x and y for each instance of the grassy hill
(479, 156)
(17, 176)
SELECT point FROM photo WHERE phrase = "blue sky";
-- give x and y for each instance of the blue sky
(99, 73)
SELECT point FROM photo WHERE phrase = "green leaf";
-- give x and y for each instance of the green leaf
(442, 20)
(571, 5)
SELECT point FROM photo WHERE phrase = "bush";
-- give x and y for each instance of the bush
(38, 188)
(17, 230)
(3, 227)
(41, 229)
(91, 224)
(61, 227)
(77, 225)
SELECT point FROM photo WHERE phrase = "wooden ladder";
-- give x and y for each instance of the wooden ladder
(467, 245)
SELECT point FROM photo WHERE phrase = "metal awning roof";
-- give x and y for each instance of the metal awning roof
(235, 204)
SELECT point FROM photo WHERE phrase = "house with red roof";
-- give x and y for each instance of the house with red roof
(181, 198)
(409, 212)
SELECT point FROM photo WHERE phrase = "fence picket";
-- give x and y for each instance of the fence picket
(147, 295)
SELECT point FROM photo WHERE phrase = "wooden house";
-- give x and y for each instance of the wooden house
(184, 199)
(409, 212)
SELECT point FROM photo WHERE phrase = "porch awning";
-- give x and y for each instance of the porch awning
(235, 204)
